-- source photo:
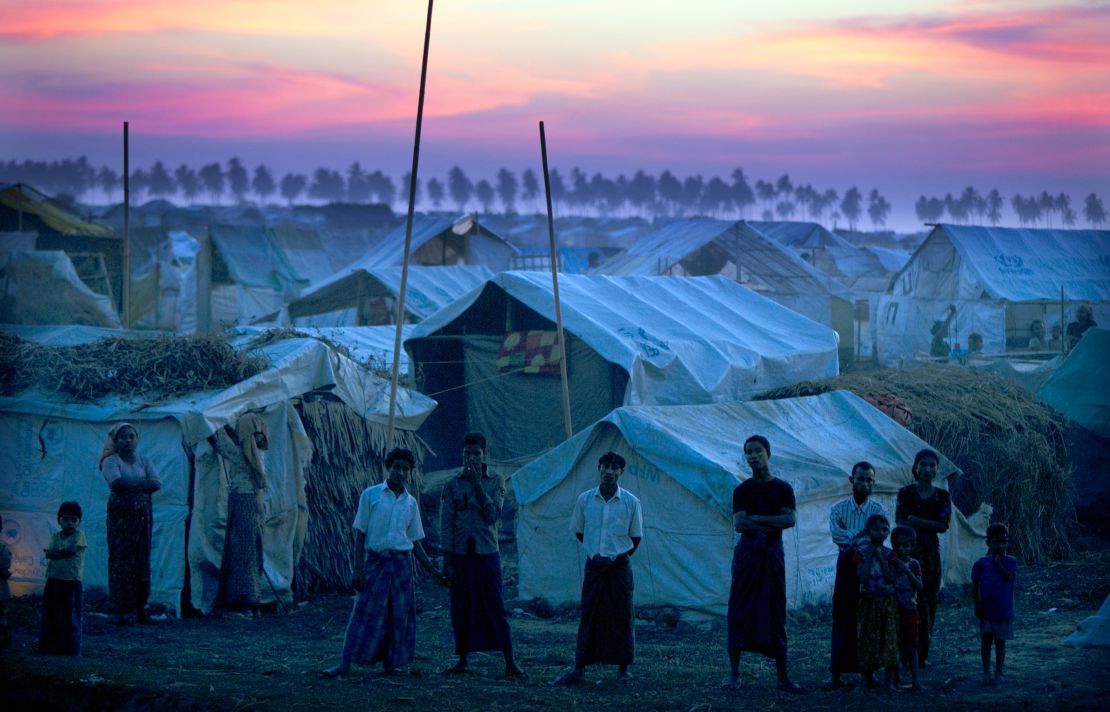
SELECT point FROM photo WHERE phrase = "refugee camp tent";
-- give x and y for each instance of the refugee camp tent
(1080, 386)
(52, 446)
(488, 357)
(25, 209)
(683, 463)
(42, 287)
(363, 294)
(439, 240)
(735, 249)
(369, 345)
(999, 279)
(1093, 632)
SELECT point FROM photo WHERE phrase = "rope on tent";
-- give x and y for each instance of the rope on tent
(474, 383)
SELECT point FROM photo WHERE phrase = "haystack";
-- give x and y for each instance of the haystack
(1009, 445)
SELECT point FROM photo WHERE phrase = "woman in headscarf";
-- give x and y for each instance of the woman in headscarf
(241, 570)
(131, 480)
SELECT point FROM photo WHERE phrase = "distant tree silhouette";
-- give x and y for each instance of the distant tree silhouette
(784, 186)
(766, 193)
(108, 180)
(974, 203)
(641, 191)
(358, 184)
(161, 182)
(406, 179)
(460, 188)
(485, 194)
(558, 188)
(717, 197)
(139, 185)
(852, 206)
(327, 185)
(670, 192)
(995, 201)
(929, 210)
(785, 209)
(507, 187)
(957, 208)
(263, 183)
(825, 201)
(807, 197)
(292, 186)
(878, 208)
(1093, 211)
(238, 180)
(767, 216)
(692, 188)
(1047, 204)
(187, 182)
(1028, 209)
(580, 196)
(531, 185)
(212, 177)
(435, 192)
(609, 193)
(1067, 215)
(383, 187)
(742, 193)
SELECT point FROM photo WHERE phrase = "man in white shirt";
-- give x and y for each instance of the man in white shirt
(847, 522)
(608, 521)
(388, 531)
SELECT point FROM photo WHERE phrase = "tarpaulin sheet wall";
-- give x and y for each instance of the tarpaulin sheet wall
(1080, 386)
(684, 462)
(42, 287)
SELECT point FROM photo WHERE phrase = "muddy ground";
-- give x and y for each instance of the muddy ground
(272, 663)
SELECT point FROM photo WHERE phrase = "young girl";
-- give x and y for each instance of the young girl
(878, 604)
(907, 583)
(61, 599)
(992, 587)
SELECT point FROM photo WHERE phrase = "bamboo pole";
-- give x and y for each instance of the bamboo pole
(408, 232)
(1063, 326)
(125, 289)
(560, 341)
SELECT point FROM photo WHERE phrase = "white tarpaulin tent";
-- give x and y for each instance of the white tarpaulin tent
(631, 340)
(364, 294)
(51, 450)
(371, 345)
(1093, 632)
(683, 464)
(1080, 386)
(42, 287)
(439, 240)
(999, 279)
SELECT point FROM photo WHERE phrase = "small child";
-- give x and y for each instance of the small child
(5, 591)
(992, 587)
(61, 599)
(907, 583)
(877, 609)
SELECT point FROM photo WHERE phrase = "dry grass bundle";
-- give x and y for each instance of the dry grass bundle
(376, 364)
(152, 368)
(348, 456)
(1009, 445)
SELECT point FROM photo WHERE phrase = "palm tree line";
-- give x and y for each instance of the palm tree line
(577, 192)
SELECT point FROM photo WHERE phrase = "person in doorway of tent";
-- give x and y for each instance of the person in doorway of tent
(388, 532)
(1037, 341)
(927, 510)
(992, 588)
(974, 343)
(131, 480)
(241, 569)
(5, 591)
(877, 605)
(762, 507)
(939, 347)
(62, 598)
(470, 515)
(847, 524)
(1084, 319)
(907, 582)
(609, 523)
(1056, 342)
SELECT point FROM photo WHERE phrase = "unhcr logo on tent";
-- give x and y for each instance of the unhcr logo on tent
(1012, 264)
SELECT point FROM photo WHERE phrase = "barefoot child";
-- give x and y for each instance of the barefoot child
(61, 599)
(992, 587)
(878, 605)
(907, 583)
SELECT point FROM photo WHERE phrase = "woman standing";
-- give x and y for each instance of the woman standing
(928, 511)
(131, 480)
(241, 570)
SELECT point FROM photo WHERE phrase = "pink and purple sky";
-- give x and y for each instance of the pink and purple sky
(910, 96)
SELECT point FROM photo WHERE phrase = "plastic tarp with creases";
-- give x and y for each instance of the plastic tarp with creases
(428, 289)
(371, 345)
(52, 448)
(681, 340)
(1080, 386)
(1093, 632)
(484, 247)
(683, 464)
(42, 287)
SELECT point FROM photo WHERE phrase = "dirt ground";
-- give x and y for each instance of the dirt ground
(272, 663)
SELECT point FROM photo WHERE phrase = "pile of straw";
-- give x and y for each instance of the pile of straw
(1009, 445)
(150, 368)
(348, 456)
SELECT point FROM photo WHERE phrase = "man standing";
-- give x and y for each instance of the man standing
(847, 522)
(762, 507)
(608, 521)
(469, 515)
(387, 533)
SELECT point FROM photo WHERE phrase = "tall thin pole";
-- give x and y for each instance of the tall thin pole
(560, 341)
(1063, 331)
(126, 288)
(408, 229)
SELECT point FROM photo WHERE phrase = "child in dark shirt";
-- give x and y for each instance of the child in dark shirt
(907, 582)
(992, 586)
(61, 599)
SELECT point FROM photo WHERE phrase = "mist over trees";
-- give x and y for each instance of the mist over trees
(575, 192)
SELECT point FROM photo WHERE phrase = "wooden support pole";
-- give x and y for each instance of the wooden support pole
(408, 230)
(560, 340)
(125, 289)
